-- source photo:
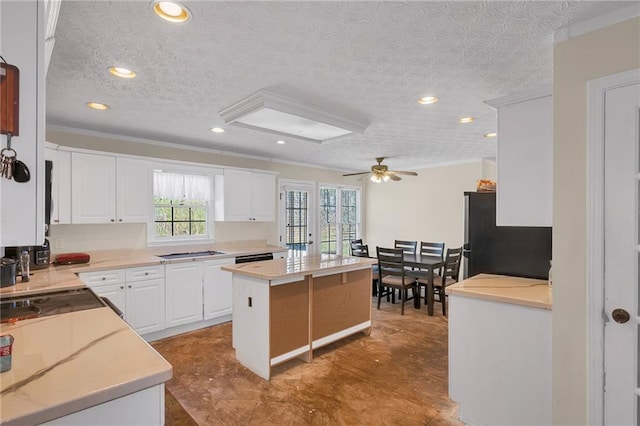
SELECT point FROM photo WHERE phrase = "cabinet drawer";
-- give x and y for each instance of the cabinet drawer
(144, 273)
(102, 277)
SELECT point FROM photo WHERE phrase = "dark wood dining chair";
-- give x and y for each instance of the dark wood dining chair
(393, 275)
(428, 249)
(408, 247)
(431, 249)
(362, 250)
(450, 274)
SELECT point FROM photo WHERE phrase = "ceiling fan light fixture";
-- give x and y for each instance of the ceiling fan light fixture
(171, 11)
(385, 178)
(375, 178)
(277, 114)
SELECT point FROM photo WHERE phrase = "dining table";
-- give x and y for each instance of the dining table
(424, 265)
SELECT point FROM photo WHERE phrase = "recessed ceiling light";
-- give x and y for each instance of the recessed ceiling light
(217, 130)
(280, 142)
(428, 100)
(171, 11)
(122, 72)
(98, 106)
(465, 120)
(490, 135)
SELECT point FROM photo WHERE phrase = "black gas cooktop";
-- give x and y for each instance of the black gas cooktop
(44, 304)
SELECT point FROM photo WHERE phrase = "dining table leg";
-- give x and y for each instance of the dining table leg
(429, 293)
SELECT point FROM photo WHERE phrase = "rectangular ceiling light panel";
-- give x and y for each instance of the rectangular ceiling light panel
(277, 114)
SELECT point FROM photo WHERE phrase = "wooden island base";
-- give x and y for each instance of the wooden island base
(280, 317)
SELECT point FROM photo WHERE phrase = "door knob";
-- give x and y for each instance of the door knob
(620, 316)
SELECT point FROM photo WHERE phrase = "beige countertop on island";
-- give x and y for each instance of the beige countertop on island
(299, 266)
(501, 288)
(65, 363)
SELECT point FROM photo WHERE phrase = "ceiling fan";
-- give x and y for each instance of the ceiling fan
(381, 173)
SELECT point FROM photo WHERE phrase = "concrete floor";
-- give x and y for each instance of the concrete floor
(396, 376)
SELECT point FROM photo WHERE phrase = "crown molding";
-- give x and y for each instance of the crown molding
(520, 97)
(593, 24)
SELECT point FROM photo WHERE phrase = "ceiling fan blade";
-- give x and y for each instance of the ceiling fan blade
(399, 172)
(356, 174)
(393, 176)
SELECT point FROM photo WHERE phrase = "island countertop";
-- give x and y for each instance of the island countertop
(65, 363)
(292, 267)
(502, 288)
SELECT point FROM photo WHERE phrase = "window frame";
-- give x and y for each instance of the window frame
(152, 239)
(339, 207)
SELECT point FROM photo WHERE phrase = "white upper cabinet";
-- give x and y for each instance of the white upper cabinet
(93, 188)
(525, 160)
(243, 195)
(108, 190)
(60, 185)
(134, 189)
(22, 204)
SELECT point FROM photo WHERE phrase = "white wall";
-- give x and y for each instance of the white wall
(428, 207)
(576, 61)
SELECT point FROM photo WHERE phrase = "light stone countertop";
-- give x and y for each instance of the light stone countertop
(61, 277)
(69, 362)
(501, 288)
(299, 266)
(65, 363)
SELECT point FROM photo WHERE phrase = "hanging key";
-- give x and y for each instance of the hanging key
(7, 166)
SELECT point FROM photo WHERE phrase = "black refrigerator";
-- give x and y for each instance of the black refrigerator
(522, 251)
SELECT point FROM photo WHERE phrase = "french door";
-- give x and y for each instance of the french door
(297, 217)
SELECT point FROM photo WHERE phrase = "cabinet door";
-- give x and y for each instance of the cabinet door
(93, 189)
(145, 305)
(525, 163)
(263, 197)
(115, 293)
(61, 195)
(184, 293)
(134, 191)
(60, 185)
(217, 289)
(236, 196)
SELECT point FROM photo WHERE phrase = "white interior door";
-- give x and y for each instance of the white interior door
(621, 254)
(297, 217)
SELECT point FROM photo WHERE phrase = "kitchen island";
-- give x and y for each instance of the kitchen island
(500, 350)
(286, 308)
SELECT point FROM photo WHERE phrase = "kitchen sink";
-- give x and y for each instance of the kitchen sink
(190, 254)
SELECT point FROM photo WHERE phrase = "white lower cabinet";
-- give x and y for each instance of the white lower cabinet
(145, 305)
(183, 293)
(144, 407)
(217, 291)
(138, 292)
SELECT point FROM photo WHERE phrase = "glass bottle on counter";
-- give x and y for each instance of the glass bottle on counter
(24, 265)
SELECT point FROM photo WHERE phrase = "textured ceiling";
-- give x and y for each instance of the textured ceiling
(368, 59)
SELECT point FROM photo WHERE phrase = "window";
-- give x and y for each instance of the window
(339, 219)
(181, 203)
